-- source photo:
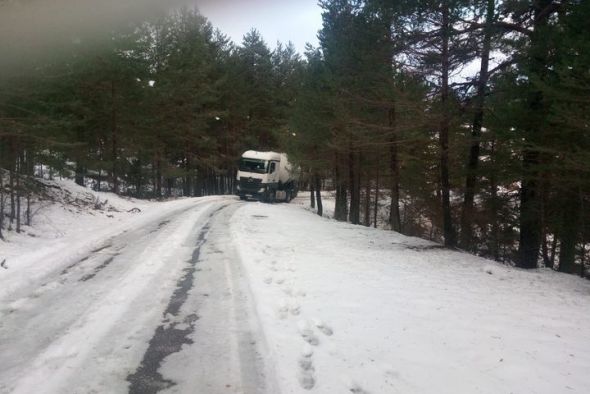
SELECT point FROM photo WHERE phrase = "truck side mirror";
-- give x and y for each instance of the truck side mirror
(272, 167)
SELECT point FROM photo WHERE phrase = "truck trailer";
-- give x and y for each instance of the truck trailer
(266, 176)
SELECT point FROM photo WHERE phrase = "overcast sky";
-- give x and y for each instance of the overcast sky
(35, 28)
(277, 20)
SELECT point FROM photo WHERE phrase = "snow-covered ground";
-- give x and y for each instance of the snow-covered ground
(353, 309)
(328, 203)
(213, 295)
(74, 222)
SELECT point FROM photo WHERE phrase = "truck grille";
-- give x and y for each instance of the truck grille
(249, 184)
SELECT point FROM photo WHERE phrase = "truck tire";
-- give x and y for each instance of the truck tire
(267, 197)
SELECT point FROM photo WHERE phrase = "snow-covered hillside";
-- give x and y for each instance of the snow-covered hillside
(68, 221)
(327, 307)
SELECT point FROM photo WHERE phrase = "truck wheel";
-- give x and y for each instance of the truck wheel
(288, 196)
(273, 197)
(265, 196)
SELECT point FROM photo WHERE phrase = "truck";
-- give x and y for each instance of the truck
(266, 176)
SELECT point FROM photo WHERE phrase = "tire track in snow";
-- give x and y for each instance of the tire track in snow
(169, 337)
(76, 305)
(112, 255)
(99, 268)
(66, 270)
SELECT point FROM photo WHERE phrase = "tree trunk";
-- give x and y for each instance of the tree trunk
(376, 205)
(530, 204)
(448, 229)
(318, 194)
(12, 202)
(169, 184)
(153, 176)
(28, 208)
(158, 185)
(114, 170)
(544, 224)
(187, 177)
(341, 206)
(138, 179)
(530, 213)
(311, 192)
(394, 214)
(355, 189)
(351, 178)
(367, 215)
(466, 240)
(98, 180)
(568, 234)
(79, 176)
(18, 194)
(495, 238)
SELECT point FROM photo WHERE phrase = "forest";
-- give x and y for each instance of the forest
(467, 121)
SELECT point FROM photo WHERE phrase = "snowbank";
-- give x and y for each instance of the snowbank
(68, 223)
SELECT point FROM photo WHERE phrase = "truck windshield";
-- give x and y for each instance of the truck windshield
(253, 165)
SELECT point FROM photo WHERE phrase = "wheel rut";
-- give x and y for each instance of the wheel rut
(172, 333)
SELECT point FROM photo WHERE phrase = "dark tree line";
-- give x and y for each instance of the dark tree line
(385, 112)
(494, 161)
(157, 109)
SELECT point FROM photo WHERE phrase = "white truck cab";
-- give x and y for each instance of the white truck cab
(266, 176)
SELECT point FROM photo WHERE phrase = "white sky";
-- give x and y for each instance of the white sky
(277, 20)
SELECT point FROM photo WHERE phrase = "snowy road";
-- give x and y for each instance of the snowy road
(159, 307)
(212, 295)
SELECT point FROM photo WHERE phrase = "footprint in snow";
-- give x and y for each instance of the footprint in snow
(283, 309)
(307, 351)
(306, 379)
(280, 281)
(307, 333)
(268, 280)
(305, 363)
(323, 327)
(310, 337)
(352, 386)
(356, 389)
(288, 290)
(291, 292)
(306, 370)
(295, 308)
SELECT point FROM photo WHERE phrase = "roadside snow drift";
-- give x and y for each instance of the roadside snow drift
(75, 221)
(351, 309)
